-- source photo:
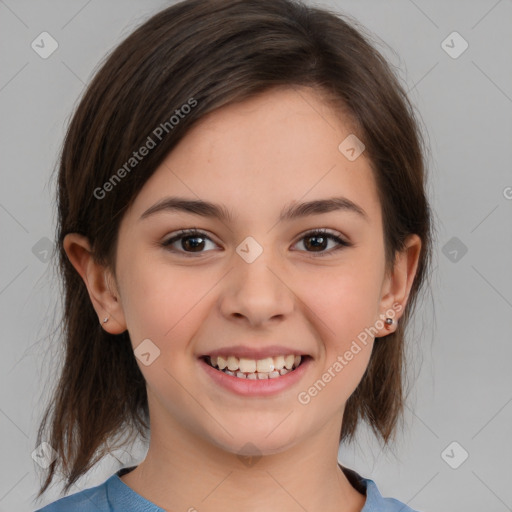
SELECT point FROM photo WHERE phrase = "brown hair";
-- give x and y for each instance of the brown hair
(216, 52)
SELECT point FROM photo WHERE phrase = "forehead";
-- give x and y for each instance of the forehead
(256, 155)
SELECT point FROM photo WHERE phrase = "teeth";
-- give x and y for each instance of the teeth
(279, 362)
(268, 368)
(265, 365)
(232, 363)
(247, 365)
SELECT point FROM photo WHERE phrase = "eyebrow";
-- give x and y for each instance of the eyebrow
(217, 211)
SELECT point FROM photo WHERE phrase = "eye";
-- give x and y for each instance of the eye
(318, 240)
(192, 241)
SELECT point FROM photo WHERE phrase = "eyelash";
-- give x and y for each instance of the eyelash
(186, 233)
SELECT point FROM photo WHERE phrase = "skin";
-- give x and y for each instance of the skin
(254, 157)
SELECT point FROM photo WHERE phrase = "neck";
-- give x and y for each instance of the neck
(185, 472)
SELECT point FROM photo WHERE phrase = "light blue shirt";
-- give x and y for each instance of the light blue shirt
(115, 496)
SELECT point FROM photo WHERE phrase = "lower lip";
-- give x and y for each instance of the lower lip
(258, 387)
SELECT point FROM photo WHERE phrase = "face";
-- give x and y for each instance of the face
(249, 285)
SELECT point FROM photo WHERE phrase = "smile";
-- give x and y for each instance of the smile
(255, 369)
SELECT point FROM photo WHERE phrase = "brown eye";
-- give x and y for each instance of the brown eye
(190, 241)
(318, 241)
(194, 243)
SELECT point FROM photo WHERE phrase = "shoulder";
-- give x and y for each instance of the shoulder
(113, 495)
(94, 499)
(375, 502)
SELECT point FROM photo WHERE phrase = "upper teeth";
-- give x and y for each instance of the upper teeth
(269, 364)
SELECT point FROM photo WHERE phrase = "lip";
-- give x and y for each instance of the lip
(253, 353)
(264, 387)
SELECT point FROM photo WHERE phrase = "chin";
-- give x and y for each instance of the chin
(254, 441)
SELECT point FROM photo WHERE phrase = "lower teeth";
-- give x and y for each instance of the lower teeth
(256, 375)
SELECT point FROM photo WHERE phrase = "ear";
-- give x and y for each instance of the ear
(397, 284)
(99, 282)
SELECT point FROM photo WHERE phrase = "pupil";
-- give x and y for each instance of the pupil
(186, 241)
(321, 244)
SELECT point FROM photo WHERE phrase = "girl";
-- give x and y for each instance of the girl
(243, 233)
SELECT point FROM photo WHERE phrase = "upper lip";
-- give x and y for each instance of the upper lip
(255, 353)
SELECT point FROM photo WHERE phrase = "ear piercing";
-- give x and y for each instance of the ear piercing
(389, 321)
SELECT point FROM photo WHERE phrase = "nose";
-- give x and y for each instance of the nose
(256, 293)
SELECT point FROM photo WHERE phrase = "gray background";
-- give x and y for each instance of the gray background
(461, 342)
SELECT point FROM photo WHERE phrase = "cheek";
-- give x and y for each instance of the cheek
(344, 299)
(162, 301)
(344, 304)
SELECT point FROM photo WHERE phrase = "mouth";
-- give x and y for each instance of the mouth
(256, 369)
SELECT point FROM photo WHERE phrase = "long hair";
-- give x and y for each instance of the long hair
(207, 54)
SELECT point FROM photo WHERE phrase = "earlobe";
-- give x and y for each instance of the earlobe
(96, 278)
